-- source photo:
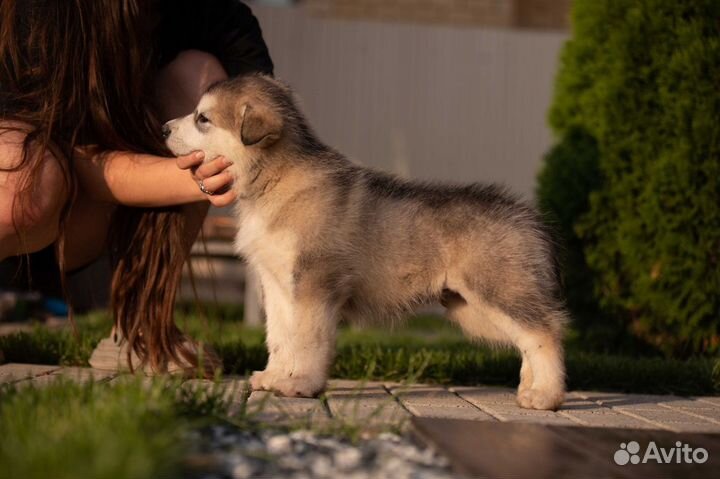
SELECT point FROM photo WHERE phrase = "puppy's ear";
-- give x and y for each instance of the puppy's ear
(261, 126)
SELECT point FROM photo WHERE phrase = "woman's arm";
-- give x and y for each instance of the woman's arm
(142, 180)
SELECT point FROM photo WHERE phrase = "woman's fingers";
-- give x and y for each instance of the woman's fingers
(218, 183)
(190, 160)
(213, 174)
(212, 168)
(224, 199)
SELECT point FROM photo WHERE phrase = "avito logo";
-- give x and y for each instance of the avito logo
(680, 454)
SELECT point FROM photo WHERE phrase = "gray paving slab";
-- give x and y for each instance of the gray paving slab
(363, 402)
(232, 388)
(709, 399)
(74, 374)
(436, 401)
(265, 406)
(694, 407)
(13, 372)
(672, 413)
(588, 413)
(128, 378)
(629, 402)
(501, 404)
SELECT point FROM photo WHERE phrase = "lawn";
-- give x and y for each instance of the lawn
(428, 349)
(134, 429)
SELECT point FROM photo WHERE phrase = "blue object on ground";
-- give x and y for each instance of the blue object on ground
(56, 307)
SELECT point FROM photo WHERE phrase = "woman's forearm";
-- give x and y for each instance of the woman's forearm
(135, 179)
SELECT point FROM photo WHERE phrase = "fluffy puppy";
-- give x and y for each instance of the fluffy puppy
(332, 240)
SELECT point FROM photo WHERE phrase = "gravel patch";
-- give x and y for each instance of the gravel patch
(304, 454)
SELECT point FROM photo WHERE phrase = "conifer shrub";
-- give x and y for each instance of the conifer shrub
(641, 80)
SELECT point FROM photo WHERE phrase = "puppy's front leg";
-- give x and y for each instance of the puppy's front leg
(278, 305)
(310, 345)
(301, 325)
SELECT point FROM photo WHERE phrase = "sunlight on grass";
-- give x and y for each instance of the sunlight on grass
(66, 430)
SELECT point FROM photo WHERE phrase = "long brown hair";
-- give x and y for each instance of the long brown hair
(77, 73)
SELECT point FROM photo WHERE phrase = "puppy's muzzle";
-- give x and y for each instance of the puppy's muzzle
(166, 131)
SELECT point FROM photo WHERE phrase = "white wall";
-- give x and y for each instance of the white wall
(429, 102)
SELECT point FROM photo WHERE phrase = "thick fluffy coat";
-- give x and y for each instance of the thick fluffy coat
(332, 240)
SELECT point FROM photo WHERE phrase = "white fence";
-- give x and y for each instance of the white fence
(429, 102)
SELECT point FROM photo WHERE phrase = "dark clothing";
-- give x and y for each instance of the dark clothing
(225, 28)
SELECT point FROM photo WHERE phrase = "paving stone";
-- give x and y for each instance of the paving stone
(471, 413)
(233, 388)
(265, 406)
(664, 412)
(591, 414)
(74, 374)
(434, 401)
(501, 404)
(79, 375)
(715, 400)
(674, 420)
(634, 402)
(125, 378)
(696, 408)
(13, 372)
(354, 385)
(372, 403)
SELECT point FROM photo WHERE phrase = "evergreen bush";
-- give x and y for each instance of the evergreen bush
(641, 78)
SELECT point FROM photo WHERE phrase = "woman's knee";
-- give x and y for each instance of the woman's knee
(182, 82)
(31, 199)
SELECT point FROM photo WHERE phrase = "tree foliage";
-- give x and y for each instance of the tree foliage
(641, 78)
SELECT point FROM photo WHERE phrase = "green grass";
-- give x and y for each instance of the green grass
(429, 349)
(131, 430)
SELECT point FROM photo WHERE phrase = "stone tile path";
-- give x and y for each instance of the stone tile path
(391, 403)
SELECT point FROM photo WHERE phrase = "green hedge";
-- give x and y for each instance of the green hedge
(641, 80)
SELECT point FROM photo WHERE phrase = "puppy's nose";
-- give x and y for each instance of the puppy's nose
(165, 130)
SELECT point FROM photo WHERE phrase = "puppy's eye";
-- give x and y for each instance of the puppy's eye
(202, 119)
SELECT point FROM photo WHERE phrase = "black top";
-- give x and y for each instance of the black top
(225, 28)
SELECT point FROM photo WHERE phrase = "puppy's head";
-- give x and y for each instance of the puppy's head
(240, 119)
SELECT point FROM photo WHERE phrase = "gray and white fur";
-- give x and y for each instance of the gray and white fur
(331, 240)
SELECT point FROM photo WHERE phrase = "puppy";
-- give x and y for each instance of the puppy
(333, 240)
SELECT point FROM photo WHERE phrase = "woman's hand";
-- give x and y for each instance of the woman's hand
(213, 178)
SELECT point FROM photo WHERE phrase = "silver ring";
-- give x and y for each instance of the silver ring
(203, 189)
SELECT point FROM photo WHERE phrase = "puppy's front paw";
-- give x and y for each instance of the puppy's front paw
(300, 386)
(540, 399)
(262, 380)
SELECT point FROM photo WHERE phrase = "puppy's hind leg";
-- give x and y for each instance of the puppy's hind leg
(542, 352)
(472, 321)
(475, 323)
(542, 375)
